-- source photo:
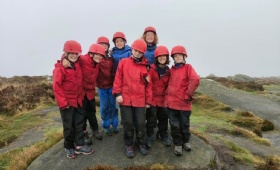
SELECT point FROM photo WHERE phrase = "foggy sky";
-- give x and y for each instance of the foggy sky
(221, 37)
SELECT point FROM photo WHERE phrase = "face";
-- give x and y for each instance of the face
(73, 57)
(96, 57)
(106, 46)
(150, 37)
(179, 58)
(162, 59)
(119, 43)
(136, 53)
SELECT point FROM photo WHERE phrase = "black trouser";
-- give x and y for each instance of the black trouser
(157, 114)
(133, 117)
(180, 126)
(151, 117)
(90, 114)
(72, 120)
(162, 118)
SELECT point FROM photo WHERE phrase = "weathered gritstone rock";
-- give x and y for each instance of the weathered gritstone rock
(261, 106)
(110, 151)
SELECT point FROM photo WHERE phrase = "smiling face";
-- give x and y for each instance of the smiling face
(136, 53)
(96, 57)
(162, 59)
(73, 57)
(179, 58)
(119, 42)
(150, 37)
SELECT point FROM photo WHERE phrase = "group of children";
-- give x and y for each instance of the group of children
(138, 79)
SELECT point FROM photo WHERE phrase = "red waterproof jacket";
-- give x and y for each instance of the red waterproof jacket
(131, 84)
(90, 71)
(182, 83)
(67, 85)
(159, 85)
(106, 73)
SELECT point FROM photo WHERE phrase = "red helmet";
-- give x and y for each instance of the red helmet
(119, 35)
(102, 39)
(161, 50)
(97, 49)
(139, 45)
(150, 28)
(178, 50)
(72, 46)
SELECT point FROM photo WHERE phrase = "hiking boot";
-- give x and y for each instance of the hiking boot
(165, 140)
(96, 135)
(129, 151)
(70, 153)
(187, 146)
(83, 150)
(143, 149)
(108, 132)
(149, 141)
(116, 130)
(87, 139)
(178, 150)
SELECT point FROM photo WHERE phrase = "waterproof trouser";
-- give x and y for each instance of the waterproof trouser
(180, 126)
(157, 116)
(108, 108)
(90, 114)
(133, 118)
(72, 120)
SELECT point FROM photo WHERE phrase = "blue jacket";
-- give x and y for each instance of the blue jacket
(150, 54)
(119, 54)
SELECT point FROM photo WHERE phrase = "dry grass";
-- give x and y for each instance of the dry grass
(251, 86)
(21, 158)
(24, 93)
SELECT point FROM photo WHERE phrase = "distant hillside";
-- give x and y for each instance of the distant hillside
(21, 93)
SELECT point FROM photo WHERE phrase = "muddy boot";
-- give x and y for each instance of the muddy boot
(178, 150)
(87, 139)
(96, 135)
(187, 146)
(129, 152)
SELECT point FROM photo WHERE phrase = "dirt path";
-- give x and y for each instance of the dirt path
(261, 106)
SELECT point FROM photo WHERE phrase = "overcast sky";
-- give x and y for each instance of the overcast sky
(221, 37)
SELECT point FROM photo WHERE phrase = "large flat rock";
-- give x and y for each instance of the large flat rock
(110, 151)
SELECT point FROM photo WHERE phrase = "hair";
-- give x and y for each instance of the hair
(166, 62)
(155, 39)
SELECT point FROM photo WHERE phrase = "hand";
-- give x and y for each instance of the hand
(119, 99)
(148, 78)
(66, 63)
(148, 106)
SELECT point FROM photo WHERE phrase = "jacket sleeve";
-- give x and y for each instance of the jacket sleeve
(117, 86)
(58, 78)
(194, 81)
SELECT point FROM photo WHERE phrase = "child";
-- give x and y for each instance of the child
(133, 91)
(151, 38)
(120, 50)
(182, 83)
(104, 82)
(159, 74)
(67, 87)
(89, 66)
